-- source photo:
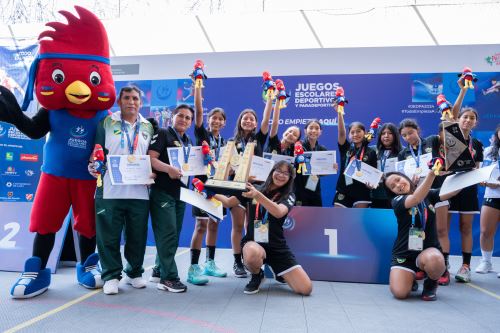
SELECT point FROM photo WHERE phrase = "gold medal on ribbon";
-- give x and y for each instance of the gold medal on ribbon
(359, 173)
(185, 167)
(131, 158)
(423, 235)
(418, 171)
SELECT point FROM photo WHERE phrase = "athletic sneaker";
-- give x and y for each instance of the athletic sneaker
(414, 287)
(429, 292)
(155, 275)
(444, 280)
(420, 275)
(175, 286)
(484, 267)
(111, 287)
(239, 270)
(253, 286)
(463, 274)
(195, 275)
(137, 282)
(211, 269)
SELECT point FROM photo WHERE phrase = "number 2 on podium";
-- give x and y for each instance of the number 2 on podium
(6, 241)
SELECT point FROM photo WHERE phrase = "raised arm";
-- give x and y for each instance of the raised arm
(276, 120)
(421, 192)
(460, 98)
(341, 127)
(264, 125)
(198, 107)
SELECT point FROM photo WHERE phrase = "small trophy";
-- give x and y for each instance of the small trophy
(219, 183)
(457, 154)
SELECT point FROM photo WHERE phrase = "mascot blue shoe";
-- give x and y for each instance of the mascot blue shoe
(89, 274)
(33, 281)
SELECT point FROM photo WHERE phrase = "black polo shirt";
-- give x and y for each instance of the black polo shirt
(164, 138)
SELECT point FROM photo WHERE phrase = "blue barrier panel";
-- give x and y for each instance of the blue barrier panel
(346, 245)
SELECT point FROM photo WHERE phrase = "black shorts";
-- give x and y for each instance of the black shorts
(492, 202)
(465, 202)
(280, 260)
(196, 212)
(348, 201)
(406, 263)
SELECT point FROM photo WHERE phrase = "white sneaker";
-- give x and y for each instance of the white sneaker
(111, 287)
(137, 282)
(484, 267)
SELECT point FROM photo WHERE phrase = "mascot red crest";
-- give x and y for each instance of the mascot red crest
(72, 70)
(72, 79)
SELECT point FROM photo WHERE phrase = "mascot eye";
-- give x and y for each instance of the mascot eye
(58, 76)
(95, 78)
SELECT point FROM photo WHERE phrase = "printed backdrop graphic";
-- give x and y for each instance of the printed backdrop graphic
(391, 97)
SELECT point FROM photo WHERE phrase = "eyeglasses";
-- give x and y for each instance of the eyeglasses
(283, 173)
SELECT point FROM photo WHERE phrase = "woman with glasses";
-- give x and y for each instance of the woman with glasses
(264, 243)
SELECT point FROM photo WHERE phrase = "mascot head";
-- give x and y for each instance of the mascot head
(72, 69)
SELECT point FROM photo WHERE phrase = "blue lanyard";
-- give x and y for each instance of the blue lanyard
(383, 159)
(358, 155)
(243, 145)
(215, 144)
(132, 145)
(416, 158)
(257, 212)
(186, 149)
(422, 211)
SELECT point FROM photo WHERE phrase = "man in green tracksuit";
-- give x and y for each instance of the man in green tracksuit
(123, 207)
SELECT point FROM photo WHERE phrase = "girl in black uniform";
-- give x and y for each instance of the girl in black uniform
(416, 246)
(246, 131)
(388, 146)
(417, 146)
(268, 206)
(466, 202)
(308, 188)
(216, 120)
(285, 146)
(352, 193)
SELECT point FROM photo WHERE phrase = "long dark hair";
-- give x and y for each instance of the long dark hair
(238, 131)
(389, 192)
(283, 191)
(495, 145)
(396, 143)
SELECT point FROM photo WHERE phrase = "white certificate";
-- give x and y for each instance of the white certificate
(463, 179)
(211, 206)
(367, 174)
(261, 168)
(409, 166)
(277, 158)
(320, 162)
(130, 169)
(194, 165)
(390, 165)
(495, 176)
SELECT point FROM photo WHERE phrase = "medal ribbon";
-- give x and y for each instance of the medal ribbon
(186, 148)
(383, 159)
(417, 158)
(357, 156)
(217, 145)
(131, 146)
(422, 211)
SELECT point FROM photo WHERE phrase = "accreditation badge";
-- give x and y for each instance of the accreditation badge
(312, 182)
(261, 231)
(416, 239)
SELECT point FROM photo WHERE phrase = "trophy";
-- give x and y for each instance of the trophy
(457, 155)
(219, 183)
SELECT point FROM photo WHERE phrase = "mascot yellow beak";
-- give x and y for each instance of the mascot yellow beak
(78, 92)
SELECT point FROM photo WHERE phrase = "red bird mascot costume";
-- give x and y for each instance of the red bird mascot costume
(72, 79)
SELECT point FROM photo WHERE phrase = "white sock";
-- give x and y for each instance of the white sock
(487, 255)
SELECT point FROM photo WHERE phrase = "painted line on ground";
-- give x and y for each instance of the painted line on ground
(67, 305)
